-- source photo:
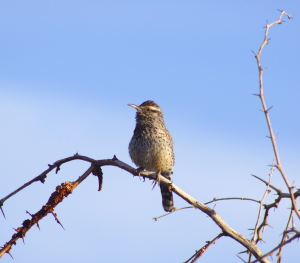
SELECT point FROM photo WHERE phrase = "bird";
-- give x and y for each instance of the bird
(151, 146)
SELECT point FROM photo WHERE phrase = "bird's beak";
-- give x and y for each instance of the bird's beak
(134, 106)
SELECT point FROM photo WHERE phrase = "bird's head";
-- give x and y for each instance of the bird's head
(148, 111)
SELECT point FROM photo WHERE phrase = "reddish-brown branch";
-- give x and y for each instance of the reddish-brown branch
(200, 252)
(56, 197)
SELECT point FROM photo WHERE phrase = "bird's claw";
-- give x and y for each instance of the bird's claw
(139, 170)
(157, 180)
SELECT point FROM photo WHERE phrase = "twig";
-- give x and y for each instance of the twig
(284, 236)
(200, 252)
(261, 203)
(297, 235)
(260, 208)
(232, 198)
(176, 209)
(43, 175)
(266, 111)
(214, 200)
(272, 186)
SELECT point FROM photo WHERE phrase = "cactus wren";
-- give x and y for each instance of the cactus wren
(151, 146)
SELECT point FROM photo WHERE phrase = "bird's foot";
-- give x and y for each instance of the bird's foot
(139, 170)
(157, 179)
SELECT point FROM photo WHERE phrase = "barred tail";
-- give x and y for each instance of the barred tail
(167, 196)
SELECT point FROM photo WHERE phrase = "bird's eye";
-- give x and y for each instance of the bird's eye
(148, 109)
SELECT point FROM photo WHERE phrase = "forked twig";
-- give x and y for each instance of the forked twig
(261, 204)
(256, 229)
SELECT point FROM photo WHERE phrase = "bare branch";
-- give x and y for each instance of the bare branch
(285, 235)
(200, 252)
(272, 186)
(227, 230)
(261, 204)
(232, 198)
(43, 175)
(265, 110)
(297, 235)
(214, 200)
(175, 209)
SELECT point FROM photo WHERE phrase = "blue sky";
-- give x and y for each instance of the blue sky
(68, 70)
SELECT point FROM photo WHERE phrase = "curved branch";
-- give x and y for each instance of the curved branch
(232, 198)
(226, 229)
(43, 175)
(214, 200)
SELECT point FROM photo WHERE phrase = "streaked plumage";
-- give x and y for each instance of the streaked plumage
(151, 146)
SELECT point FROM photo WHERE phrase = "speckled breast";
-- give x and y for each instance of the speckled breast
(151, 149)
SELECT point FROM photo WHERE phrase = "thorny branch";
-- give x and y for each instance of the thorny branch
(66, 188)
(297, 235)
(200, 252)
(261, 204)
(56, 197)
(285, 235)
(278, 165)
(226, 230)
(266, 111)
(259, 213)
(42, 177)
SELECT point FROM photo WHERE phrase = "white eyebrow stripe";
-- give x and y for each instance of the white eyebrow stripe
(154, 108)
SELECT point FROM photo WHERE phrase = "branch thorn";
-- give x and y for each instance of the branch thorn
(2, 212)
(57, 169)
(55, 215)
(10, 254)
(28, 213)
